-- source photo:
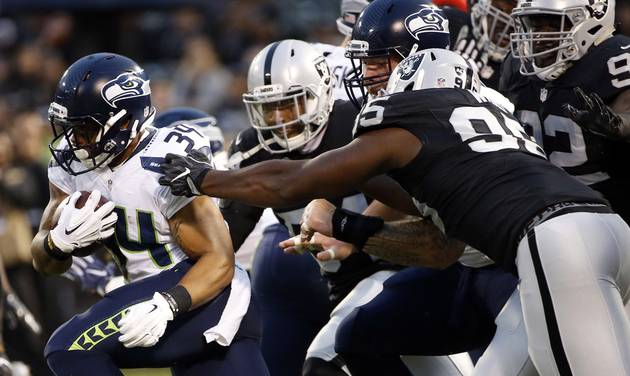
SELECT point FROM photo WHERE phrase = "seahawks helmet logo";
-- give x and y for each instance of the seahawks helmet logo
(126, 85)
(427, 19)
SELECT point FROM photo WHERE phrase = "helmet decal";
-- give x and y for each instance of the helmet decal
(597, 8)
(427, 19)
(323, 69)
(409, 66)
(126, 85)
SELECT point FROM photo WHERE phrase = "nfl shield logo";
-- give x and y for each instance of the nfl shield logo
(543, 94)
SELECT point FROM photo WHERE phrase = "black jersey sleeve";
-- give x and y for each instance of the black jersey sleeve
(605, 70)
(413, 111)
(245, 150)
(241, 219)
(616, 75)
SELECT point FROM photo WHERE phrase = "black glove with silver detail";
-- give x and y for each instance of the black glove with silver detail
(594, 115)
(184, 175)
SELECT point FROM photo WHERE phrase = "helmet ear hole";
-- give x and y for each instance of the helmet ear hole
(593, 31)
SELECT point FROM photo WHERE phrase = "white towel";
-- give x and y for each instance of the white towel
(235, 308)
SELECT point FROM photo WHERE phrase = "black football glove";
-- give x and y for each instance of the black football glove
(185, 174)
(594, 116)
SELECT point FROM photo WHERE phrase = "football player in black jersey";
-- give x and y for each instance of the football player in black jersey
(561, 46)
(471, 163)
(486, 41)
(293, 116)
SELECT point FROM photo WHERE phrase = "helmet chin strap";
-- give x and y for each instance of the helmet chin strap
(554, 72)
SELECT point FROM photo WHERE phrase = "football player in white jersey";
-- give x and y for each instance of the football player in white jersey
(186, 306)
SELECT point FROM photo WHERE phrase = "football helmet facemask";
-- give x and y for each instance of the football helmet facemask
(289, 95)
(492, 23)
(350, 10)
(101, 103)
(550, 33)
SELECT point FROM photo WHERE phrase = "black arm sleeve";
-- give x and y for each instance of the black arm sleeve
(241, 218)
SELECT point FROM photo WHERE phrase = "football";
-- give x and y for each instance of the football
(83, 199)
(96, 246)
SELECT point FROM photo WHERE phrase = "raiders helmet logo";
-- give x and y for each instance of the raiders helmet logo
(126, 85)
(323, 70)
(597, 8)
(427, 19)
(409, 66)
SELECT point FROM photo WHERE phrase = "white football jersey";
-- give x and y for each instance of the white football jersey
(340, 67)
(142, 204)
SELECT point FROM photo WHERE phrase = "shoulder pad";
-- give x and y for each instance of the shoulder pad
(244, 147)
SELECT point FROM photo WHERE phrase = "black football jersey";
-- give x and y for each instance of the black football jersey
(594, 160)
(478, 175)
(246, 151)
(490, 74)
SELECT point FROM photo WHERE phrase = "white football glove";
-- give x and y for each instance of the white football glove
(78, 228)
(145, 322)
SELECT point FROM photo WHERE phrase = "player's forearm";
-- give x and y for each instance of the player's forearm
(267, 184)
(44, 263)
(208, 277)
(414, 243)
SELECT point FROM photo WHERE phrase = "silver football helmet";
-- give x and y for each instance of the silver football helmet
(492, 24)
(289, 95)
(350, 10)
(552, 33)
(431, 69)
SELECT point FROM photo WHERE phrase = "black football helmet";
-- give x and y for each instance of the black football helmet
(392, 28)
(101, 103)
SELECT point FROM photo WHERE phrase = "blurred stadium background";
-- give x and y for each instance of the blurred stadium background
(197, 54)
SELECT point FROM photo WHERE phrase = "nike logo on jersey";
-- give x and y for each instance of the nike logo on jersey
(186, 172)
(153, 309)
(625, 47)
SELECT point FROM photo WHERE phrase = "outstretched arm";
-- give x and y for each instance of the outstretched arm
(281, 183)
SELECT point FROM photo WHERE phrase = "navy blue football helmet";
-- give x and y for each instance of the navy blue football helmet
(101, 103)
(200, 121)
(392, 28)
